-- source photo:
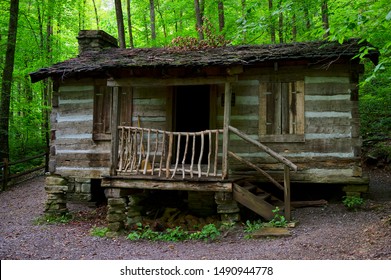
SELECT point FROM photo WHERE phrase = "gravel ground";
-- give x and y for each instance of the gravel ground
(329, 232)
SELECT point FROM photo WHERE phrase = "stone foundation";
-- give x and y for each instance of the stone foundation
(56, 189)
(79, 189)
(227, 207)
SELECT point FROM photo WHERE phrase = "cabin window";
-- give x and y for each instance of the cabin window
(281, 112)
(102, 110)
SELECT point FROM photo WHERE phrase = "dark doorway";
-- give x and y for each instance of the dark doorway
(192, 112)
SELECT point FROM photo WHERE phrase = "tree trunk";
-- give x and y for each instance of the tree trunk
(294, 27)
(129, 24)
(325, 19)
(7, 79)
(272, 26)
(244, 16)
(96, 15)
(153, 20)
(220, 5)
(280, 23)
(199, 20)
(120, 23)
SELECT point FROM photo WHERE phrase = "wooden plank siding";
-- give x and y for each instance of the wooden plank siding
(330, 150)
(73, 151)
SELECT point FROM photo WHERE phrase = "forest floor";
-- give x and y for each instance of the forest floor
(328, 232)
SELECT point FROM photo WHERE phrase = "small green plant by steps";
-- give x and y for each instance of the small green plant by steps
(352, 202)
(99, 231)
(278, 220)
(49, 219)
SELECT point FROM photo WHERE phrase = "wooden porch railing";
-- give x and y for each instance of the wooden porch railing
(158, 153)
(144, 151)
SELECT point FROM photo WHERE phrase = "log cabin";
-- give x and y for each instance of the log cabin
(212, 122)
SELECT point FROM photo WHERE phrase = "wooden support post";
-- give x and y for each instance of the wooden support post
(114, 131)
(227, 117)
(287, 193)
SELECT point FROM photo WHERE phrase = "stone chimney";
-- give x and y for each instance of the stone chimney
(95, 40)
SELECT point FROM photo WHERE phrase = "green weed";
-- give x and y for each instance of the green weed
(49, 219)
(99, 231)
(352, 202)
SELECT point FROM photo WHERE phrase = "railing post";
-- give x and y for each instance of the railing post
(114, 131)
(287, 193)
(227, 118)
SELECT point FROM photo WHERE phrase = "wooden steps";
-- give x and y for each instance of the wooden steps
(254, 202)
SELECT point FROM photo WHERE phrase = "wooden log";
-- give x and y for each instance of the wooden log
(309, 203)
(169, 184)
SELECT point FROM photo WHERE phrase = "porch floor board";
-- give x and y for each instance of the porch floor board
(211, 184)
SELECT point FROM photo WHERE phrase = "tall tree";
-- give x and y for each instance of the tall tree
(120, 23)
(199, 22)
(153, 20)
(96, 15)
(325, 18)
(130, 31)
(7, 79)
(280, 22)
(220, 6)
(271, 23)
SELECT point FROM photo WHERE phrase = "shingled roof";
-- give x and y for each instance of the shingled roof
(91, 62)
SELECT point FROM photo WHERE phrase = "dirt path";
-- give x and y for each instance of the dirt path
(329, 232)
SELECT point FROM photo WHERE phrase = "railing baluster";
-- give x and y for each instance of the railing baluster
(184, 155)
(216, 153)
(163, 153)
(192, 155)
(155, 152)
(201, 154)
(168, 162)
(209, 152)
(178, 148)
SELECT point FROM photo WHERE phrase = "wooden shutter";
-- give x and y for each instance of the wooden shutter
(281, 111)
(126, 106)
(102, 111)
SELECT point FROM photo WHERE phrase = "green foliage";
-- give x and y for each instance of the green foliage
(278, 220)
(208, 232)
(49, 219)
(99, 231)
(352, 202)
(375, 112)
(253, 226)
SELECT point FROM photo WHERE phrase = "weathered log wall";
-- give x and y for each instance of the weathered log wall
(73, 151)
(331, 147)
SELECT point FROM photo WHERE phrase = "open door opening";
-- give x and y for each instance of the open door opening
(192, 114)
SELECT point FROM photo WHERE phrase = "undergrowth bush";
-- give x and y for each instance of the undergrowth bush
(208, 232)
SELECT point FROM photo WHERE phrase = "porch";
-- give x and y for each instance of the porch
(146, 158)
